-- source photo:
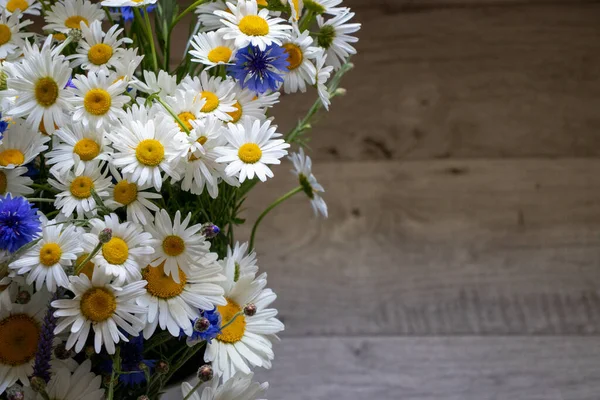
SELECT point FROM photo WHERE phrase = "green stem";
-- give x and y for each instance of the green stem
(39, 200)
(170, 111)
(267, 210)
(80, 266)
(147, 28)
(172, 26)
(186, 11)
(231, 320)
(194, 389)
(116, 367)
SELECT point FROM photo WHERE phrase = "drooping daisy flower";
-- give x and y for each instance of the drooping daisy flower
(98, 50)
(248, 25)
(80, 384)
(187, 105)
(79, 145)
(239, 261)
(32, 7)
(76, 191)
(21, 145)
(334, 37)
(127, 64)
(320, 7)
(174, 305)
(127, 3)
(245, 342)
(260, 70)
(12, 40)
(20, 332)
(19, 223)
(102, 307)
(135, 198)
(162, 84)
(322, 76)
(239, 387)
(216, 92)
(98, 101)
(211, 49)
(248, 104)
(177, 246)
(38, 80)
(301, 69)
(251, 147)
(207, 18)
(13, 181)
(69, 14)
(122, 256)
(308, 182)
(144, 150)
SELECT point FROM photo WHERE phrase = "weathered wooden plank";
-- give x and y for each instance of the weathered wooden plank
(437, 247)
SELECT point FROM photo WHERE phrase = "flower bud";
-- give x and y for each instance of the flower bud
(75, 34)
(201, 325)
(105, 235)
(23, 297)
(15, 392)
(210, 230)
(250, 310)
(61, 352)
(38, 384)
(162, 367)
(340, 92)
(205, 373)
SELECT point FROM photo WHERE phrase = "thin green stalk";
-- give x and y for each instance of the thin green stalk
(186, 12)
(147, 28)
(80, 266)
(268, 210)
(170, 111)
(190, 394)
(172, 26)
(39, 200)
(116, 367)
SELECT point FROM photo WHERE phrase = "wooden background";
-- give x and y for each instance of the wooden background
(461, 259)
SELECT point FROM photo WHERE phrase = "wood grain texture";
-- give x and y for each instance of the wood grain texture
(437, 247)
(435, 369)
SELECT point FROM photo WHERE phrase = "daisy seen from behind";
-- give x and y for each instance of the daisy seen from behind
(308, 182)
(335, 37)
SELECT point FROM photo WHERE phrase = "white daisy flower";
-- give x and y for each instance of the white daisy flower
(76, 190)
(80, 384)
(320, 7)
(20, 333)
(322, 76)
(301, 69)
(135, 198)
(13, 181)
(248, 104)
(308, 182)
(69, 14)
(251, 147)
(207, 18)
(47, 260)
(187, 105)
(216, 92)
(31, 7)
(174, 305)
(127, 64)
(78, 146)
(127, 3)
(211, 49)
(126, 251)
(296, 7)
(20, 145)
(102, 307)
(12, 40)
(144, 150)
(246, 340)
(246, 24)
(239, 261)
(334, 37)
(239, 387)
(38, 80)
(163, 83)
(177, 245)
(99, 102)
(98, 50)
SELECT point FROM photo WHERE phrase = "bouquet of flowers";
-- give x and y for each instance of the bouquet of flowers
(123, 176)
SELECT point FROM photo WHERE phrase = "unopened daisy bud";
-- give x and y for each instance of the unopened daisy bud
(250, 310)
(162, 367)
(201, 325)
(23, 297)
(61, 352)
(75, 35)
(205, 373)
(38, 384)
(105, 235)
(15, 392)
(210, 230)
(340, 92)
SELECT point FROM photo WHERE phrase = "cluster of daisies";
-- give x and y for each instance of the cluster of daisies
(122, 177)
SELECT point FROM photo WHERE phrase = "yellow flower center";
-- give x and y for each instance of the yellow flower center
(237, 114)
(88, 268)
(46, 91)
(234, 332)
(5, 34)
(253, 25)
(162, 285)
(250, 153)
(295, 55)
(81, 187)
(19, 335)
(212, 102)
(150, 152)
(202, 140)
(87, 149)
(74, 22)
(125, 192)
(173, 245)
(100, 53)
(50, 254)
(115, 251)
(186, 117)
(262, 3)
(61, 37)
(219, 54)
(98, 304)
(11, 156)
(97, 101)
(14, 5)
(3, 182)
(42, 128)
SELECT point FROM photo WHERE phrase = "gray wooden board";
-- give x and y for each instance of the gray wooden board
(436, 247)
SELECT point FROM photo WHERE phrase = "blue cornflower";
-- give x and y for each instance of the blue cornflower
(260, 70)
(207, 327)
(3, 126)
(19, 223)
(132, 356)
(127, 12)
